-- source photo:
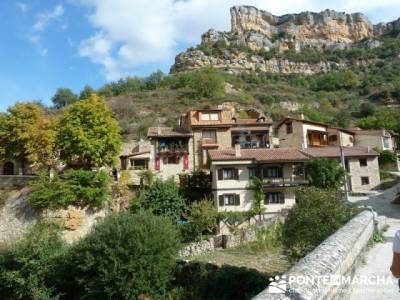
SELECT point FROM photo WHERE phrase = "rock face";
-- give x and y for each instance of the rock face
(259, 30)
(307, 29)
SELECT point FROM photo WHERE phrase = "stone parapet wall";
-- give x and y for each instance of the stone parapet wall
(336, 256)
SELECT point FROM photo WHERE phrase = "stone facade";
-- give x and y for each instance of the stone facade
(357, 171)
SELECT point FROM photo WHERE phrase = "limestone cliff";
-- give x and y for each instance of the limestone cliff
(259, 30)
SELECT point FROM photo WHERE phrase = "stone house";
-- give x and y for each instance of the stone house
(232, 172)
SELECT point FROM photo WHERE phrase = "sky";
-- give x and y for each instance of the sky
(48, 44)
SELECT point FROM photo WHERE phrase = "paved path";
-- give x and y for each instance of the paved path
(379, 258)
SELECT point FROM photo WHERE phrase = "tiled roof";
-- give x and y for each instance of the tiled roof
(168, 132)
(250, 128)
(335, 151)
(252, 121)
(272, 155)
(281, 122)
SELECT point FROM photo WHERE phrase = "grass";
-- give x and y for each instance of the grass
(4, 194)
(266, 254)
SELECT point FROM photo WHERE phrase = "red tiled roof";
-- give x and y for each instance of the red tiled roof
(273, 155)
(335, 151)
(168, 132)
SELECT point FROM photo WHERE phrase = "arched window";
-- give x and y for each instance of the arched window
(8, 168)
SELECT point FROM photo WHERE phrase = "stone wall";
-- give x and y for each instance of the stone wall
(336, 256)
(14, 180)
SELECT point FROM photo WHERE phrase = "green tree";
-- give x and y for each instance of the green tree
(259, 195)
(203, 215)
(154, 80)
(124, 257)
(28, 134)
(86, 92)
(163, 198)
(89, 134)
(316, 215)
(384, 118)
(207, 83)
(367, 109)
(387, 157)
(324, 173)
(64, 97)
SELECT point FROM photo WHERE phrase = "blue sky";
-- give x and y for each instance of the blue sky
(46, 44)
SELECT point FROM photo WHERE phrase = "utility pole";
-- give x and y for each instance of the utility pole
(346, 188)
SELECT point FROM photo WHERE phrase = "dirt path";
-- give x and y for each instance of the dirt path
(379, 258)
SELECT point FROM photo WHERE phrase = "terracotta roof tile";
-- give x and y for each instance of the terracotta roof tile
(273, 155)
(168, 132)
(335, 152)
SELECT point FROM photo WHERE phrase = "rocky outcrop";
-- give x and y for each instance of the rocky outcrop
(260, 31)
(238, 62)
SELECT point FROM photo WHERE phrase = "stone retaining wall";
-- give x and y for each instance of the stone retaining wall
(14, 180)
(336, 256)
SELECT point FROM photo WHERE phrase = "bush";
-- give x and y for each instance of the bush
(324, 173)
(316, 215)
(163, 198)
(196, 185)
(387, 157)
(125, 256)
(27, 269)
(212, 282)
(75, 187)
(202, 219)
(207, 83)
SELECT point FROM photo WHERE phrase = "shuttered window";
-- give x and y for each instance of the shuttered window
(229, 200)
(228, 174)
(274, 198)
(272, 172)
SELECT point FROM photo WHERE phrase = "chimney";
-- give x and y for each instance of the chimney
(368, 149)
(302, 116)
(237, 150)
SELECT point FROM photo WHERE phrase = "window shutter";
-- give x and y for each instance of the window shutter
(221, 200)
(236, 174)
(258, 173)
(280, 172)
(282, 198)
(237, 199)
(266, 202)
(220, 174)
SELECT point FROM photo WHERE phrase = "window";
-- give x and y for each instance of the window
(252, 172)
(139, 164)
(332, 138)
(229, 200)
(351, 139)
(363, 162)
(274, 198)
(364, 180)
(386, 142)
(228, 174)
(171, 160)
(272, 172)
(289, 128)
(210, 135)
(214, 116)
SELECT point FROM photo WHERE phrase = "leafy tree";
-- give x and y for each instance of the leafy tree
(367, 109)
(324, 173)
(163, 198)
(342, 119)
(75, 187)
(384, 118)
(86, 92)
(64, 97)
(207, 83)
(154, 80)
(28, 134)
(126, 256)
(196, 185)
(259, 195)
(203, 215)
(315, 216)
(89, 134)
(387, 157)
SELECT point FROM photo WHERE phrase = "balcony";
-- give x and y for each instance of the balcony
(284, 182)
(172, 149)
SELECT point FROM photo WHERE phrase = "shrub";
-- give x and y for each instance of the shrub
(27, 268)
(125, 256)
(387, 157)
(196, 185)
(75, 187)
(324, 173)
(207, 83)
(367, 109)
(316, 215)
(162, 198)
(212, 282)
(202, 218)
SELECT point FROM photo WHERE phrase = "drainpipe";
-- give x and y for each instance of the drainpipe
(346, 188)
